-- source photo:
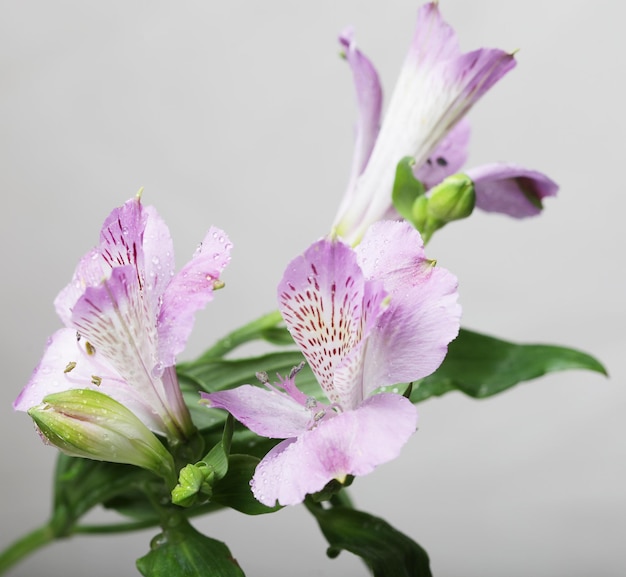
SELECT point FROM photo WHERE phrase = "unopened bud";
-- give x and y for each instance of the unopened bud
(453, 199)
(90, 424)
(193, 481)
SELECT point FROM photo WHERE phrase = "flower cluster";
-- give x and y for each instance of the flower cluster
(368, 310)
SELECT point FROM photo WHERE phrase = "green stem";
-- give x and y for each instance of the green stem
(114, 527)
(248, 332)
(25, 546)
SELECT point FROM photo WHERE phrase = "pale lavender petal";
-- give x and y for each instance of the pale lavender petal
(411, 337)
(351, 443)
(189, 291)
(158, 250)
(448, 158)
(91, 271)
(121, 236)
(436, 88)
(114, 319)
(325, 304)
(69, 363)
(369, 102)
(268, 413)
(434, 40)
(511, 189)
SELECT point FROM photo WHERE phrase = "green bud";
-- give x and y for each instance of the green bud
(90, 424)
(453, 199)
(193, 481)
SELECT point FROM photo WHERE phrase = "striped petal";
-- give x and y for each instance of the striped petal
(329, 309)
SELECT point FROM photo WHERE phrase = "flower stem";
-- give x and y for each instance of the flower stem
(25, 546)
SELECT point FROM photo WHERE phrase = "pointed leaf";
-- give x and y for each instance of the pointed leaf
(386, 551)
(481, 366)
(182, 551)
(81, 484)
(234, 489)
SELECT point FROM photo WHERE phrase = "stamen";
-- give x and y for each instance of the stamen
(70, 367)
(296, 370)
(95, 380)
(91, 350)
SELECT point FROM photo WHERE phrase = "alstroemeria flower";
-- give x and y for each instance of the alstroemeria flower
(365, 318)
(437, 86)
(127, 315)
(504, 188)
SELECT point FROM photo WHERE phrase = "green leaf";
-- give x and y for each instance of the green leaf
(234, 489)
(182, 551)
(406, 188)
(481, 366)
(81, 484)
(217, 458)
(262, 328)
(386, 551)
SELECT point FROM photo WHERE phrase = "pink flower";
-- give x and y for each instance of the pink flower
(437, 86)
(365, 318)
(127, 315)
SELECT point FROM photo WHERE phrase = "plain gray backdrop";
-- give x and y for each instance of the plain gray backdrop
(241, 115)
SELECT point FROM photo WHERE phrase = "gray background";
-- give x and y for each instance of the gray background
(240, 114)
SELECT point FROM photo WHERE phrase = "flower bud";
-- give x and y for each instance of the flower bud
(90, 424)
(453, 199)
(193, 481)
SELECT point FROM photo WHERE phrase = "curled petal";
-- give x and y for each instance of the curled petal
(189, 291)
(369, 102)
(411, 337)
(351, 443)
(269, 413)
(511, 189)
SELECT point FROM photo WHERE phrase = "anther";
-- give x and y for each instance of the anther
(70, 367)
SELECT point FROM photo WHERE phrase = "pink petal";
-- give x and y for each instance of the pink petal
(90, 271)
(369, 102)
(121, 236)
(325, 303)
(437, 86)
(268, 413)
(411, 337)
(351, 443)
(158, 250)
(511, 189)
(448, 158)
(189, 291)
(68, 364)
(114, 318)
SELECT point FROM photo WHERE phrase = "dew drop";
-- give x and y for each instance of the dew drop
(158, 541)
